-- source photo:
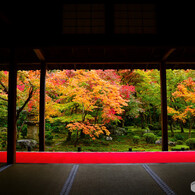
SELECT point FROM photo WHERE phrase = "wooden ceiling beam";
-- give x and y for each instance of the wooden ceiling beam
(39, 54)
(165, 57)
(4, 18)
(96, 63)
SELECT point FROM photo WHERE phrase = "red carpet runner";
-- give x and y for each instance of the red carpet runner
(101, 157)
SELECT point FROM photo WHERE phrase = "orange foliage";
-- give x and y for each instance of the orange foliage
(93, 130)
(186, 92)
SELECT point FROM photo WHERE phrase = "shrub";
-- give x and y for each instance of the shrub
(86, 142)
(56, 129)
(191, 143)
(159, 133)
(3, 139)
(48, 135)
(129, 131)
(56, 136)
(150, 138)
(147, 130)
(179, 137)
(172, 139)
(179, 142)
(24, 131)
(136, 139)
(155, 126)
(180, 147)
(47, 126)
(48, 142)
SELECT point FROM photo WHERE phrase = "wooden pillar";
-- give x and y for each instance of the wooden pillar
(42, 108)
(164, 120)
(11, 137)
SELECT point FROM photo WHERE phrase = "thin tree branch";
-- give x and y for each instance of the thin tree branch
(25, 103)
(4, 99)
(4, 87)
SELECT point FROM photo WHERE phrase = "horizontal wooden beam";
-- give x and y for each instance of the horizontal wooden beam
(136, 62)
(102, 65)
(182, 63)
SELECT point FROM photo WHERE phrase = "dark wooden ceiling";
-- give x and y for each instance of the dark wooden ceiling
(34, 25)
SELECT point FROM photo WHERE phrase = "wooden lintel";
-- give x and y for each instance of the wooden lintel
(39, 54)
(165, 57)
(99, 65)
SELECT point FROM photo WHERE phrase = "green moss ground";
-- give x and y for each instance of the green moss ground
(118, 144)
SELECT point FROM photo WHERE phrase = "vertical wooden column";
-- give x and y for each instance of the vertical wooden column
(11, 137)
(42, 108)
(164, 119)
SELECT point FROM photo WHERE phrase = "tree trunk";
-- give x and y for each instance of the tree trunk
(96, 117)
(160, 118)
(69, 136)
(171, 127)
(123, 123)
(82, 135)
(77, 139)
(181, 125)
(190, 128)
(142, 120)
(154, 114)
(123, 119)
(150, 117)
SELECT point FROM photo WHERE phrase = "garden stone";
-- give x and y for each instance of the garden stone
(26, 143)
(32, 130)
(32, 127)
(159, 142)
(108, 138)
(147, 131)
(118, 131)
(170, 143)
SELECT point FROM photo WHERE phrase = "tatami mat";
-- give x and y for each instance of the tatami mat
(33, 179)
(92, 179)
(177, 176)
(113, 179)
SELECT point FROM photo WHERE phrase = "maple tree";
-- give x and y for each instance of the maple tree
(174, 77)
(128, 81)
(185, 92)
(27, 93)
(147, 94)
(87, 99)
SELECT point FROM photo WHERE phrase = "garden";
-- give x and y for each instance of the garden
(101, 110)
